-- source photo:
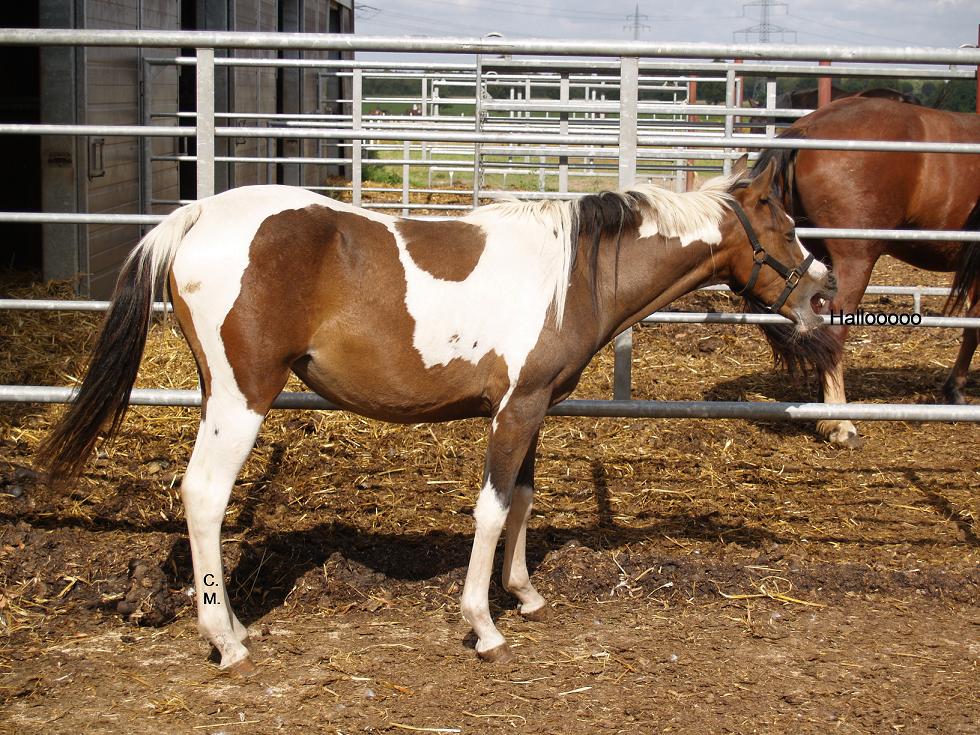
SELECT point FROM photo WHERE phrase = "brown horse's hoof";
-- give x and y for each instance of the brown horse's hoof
(498, 654)
(953, 395)
(241, 669)
(851, 441)
(540, 615)
(844, 436)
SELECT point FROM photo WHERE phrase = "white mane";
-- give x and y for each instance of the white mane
(671, 214)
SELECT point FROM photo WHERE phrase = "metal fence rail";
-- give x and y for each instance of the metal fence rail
(772, 411)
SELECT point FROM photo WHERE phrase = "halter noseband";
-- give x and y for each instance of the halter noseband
(761, 257)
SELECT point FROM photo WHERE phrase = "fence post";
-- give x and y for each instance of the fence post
(357, 144)
(770, 105)
(406, 175)
(692, 99)
(478, 127)
(824, 89)
(146, 144)
(629, 82)
(978, 72)
(205, 122)
(563, 95)
(729, 117)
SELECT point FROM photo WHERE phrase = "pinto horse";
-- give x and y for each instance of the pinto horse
(494, 314)
(866, 189)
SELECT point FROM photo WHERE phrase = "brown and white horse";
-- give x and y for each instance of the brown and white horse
(868, 189)
(493, 314)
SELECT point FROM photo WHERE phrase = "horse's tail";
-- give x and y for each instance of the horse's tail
(104, 394)
(968, 272)
(819, 350)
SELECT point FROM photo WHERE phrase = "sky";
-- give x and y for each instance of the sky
(945, 23)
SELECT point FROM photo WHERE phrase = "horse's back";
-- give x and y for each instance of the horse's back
(887, 189)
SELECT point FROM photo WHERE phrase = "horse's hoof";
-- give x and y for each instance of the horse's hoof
(849, 441)
(845, 437)
(241, 669)
(953, 396)
(498, 654)
(540, 615)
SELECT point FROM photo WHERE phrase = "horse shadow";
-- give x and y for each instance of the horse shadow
(351, 565)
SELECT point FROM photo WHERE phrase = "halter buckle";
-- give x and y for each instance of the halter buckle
(793, 278)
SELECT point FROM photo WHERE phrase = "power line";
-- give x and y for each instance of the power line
(765, 29)
(635, 23)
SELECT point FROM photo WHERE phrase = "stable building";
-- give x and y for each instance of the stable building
(131, 86)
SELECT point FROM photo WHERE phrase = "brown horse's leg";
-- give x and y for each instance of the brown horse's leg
(953, 387)
(516, 579)
(852, 277)
(513, 430)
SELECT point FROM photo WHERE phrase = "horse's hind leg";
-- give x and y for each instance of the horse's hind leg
(516, 579)
(224, 440)
(953, 387)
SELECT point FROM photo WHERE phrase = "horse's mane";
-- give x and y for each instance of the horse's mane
(784, 159)
(605, 217)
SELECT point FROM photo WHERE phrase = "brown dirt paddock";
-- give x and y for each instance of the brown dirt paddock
(706, 576)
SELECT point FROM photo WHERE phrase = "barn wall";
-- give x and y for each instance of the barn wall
(254, 90)
(104, 174)
(110, 93)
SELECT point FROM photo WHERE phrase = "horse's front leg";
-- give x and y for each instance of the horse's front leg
(516, 578)
(852, 277)
(512, 433)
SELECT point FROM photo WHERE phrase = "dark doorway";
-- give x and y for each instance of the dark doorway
(20, 186)
(187, 102)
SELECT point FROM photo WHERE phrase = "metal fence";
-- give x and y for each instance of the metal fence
(626, 113)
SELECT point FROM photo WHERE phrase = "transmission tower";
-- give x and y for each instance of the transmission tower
(765, 30)
(635, 24)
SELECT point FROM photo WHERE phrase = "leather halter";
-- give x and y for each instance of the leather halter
(761, 258)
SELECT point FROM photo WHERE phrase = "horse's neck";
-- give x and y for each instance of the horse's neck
(651, 273)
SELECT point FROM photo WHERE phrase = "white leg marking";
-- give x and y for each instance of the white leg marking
(516, 579)
(223, 442)
(474, 603)
(841, 432)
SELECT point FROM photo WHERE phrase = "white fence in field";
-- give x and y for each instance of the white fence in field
(560, 115)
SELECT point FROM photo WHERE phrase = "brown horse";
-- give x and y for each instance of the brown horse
(864, 189)
(494, 314)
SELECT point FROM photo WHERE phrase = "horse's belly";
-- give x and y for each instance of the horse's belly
(390, 390)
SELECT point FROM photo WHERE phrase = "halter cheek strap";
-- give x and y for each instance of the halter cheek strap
(760, 258)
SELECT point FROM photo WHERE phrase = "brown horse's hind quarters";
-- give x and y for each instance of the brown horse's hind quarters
(494, 314)
(875, 190)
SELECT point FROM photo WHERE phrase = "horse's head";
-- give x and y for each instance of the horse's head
(767, 262)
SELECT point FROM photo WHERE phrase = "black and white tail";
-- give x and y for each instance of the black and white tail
(102, 399)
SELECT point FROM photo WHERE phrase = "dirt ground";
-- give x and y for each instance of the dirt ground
(705, 576)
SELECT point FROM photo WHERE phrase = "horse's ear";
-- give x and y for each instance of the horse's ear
(762, 181)
(741, 165)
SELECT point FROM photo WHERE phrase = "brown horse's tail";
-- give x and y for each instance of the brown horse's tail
(819, 350)
(103, 396)
(968, 272)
